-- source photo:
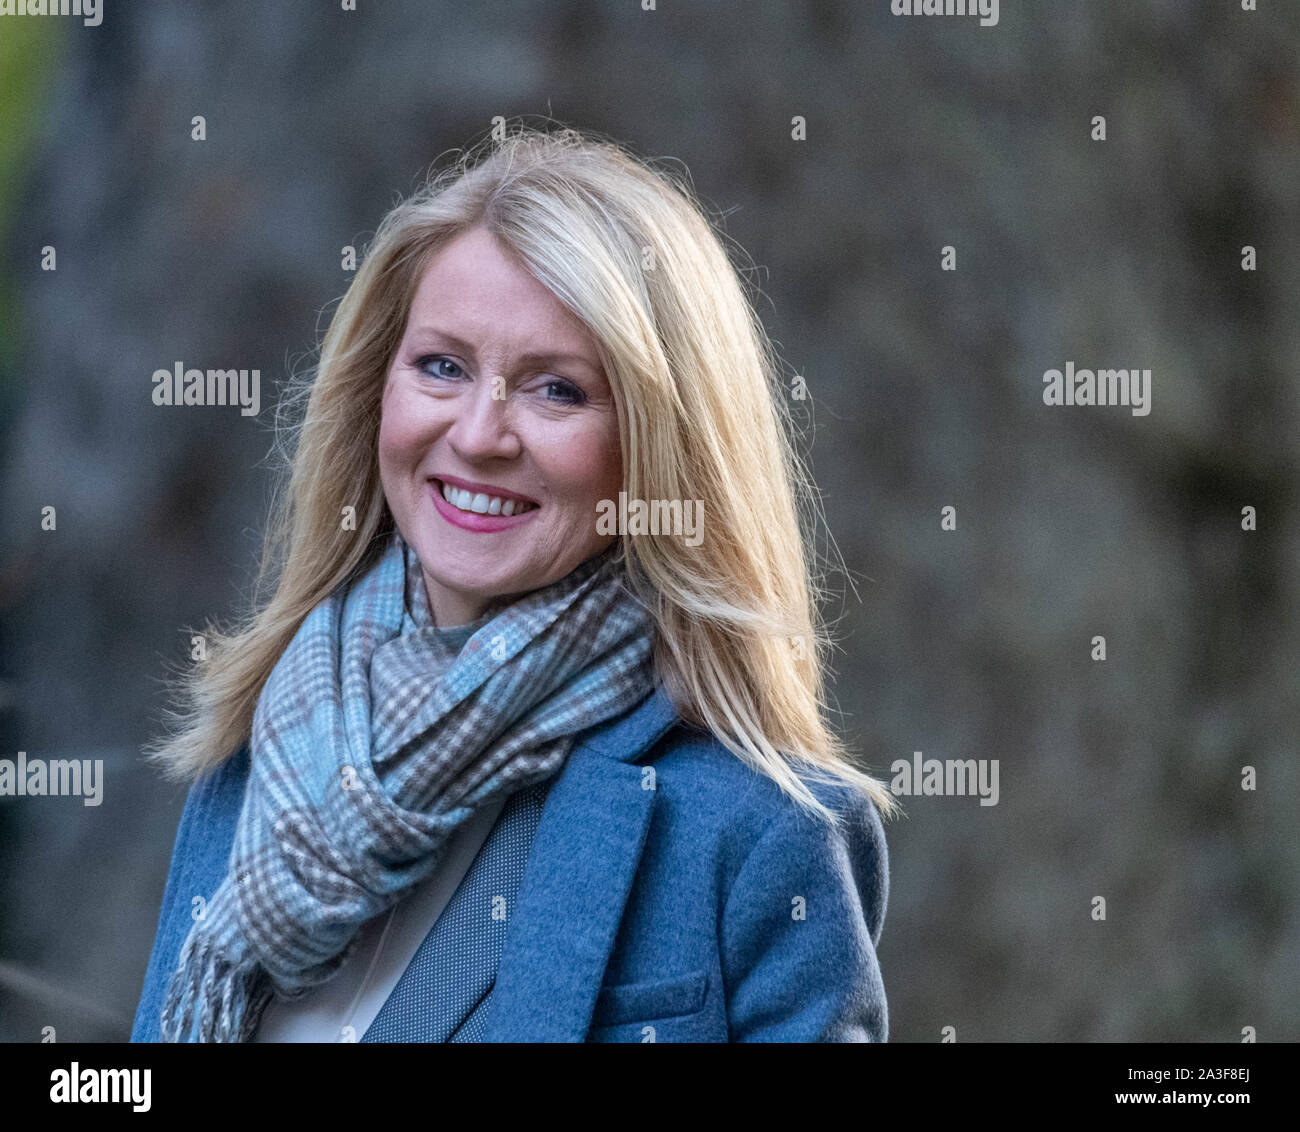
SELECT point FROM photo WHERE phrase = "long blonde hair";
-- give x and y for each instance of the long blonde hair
(625, 244)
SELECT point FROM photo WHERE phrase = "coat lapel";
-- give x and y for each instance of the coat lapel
(584, 858)
(453, 967)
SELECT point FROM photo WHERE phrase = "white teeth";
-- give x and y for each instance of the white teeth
(479, 503)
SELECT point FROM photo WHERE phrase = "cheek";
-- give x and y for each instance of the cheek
(399, 453)
(399, 433)
(588, 467)
(611, 461)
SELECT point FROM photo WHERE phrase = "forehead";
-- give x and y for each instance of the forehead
(474, 289)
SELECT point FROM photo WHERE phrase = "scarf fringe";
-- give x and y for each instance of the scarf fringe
(212, 998)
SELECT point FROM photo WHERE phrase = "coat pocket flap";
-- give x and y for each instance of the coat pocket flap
(663, 998)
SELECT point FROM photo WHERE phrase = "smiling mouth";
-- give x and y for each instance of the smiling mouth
(480, 503)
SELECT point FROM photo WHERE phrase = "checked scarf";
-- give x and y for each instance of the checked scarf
(372, 741)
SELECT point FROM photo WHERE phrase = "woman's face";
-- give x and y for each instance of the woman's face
(497, 397)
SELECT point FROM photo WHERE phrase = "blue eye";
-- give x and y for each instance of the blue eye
(559, 390)
(438, 361)
(570, 394)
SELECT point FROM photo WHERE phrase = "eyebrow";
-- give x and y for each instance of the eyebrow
(543, 358)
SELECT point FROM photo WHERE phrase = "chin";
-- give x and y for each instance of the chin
(483, 585)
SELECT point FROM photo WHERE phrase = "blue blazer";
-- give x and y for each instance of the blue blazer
(693, 904)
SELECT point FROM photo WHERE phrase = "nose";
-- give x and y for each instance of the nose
(482, 429)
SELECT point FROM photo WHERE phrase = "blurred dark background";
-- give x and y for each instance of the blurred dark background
(1119, 778)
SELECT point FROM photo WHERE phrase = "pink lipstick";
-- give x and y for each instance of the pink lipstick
(473, 520)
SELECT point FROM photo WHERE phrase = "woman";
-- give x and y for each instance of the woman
(506, 770)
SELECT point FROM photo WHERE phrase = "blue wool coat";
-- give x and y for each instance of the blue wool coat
(698, 904)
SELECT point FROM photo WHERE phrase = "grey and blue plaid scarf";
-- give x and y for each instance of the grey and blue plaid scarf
(372, 741)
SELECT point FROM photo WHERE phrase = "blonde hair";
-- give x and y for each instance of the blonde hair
(626, 245)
